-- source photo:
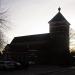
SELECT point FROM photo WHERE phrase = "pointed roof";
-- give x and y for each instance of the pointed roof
(59, 17)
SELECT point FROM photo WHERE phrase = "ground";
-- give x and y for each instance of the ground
(42, 70)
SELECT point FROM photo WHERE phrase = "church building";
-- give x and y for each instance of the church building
(49, 48)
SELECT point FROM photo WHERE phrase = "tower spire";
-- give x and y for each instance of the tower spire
(59, 9)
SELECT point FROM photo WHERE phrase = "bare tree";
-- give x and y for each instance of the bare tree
(72, 33)
(3, 27)
(72, 39)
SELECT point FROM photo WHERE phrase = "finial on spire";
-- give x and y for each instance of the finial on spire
(59, 9)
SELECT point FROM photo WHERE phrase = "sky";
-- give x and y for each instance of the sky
(29, 17)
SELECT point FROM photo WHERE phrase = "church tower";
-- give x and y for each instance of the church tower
(59, 28)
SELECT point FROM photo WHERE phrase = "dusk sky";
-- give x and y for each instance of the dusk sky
(29, 17)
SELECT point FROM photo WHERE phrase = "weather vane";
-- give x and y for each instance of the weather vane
(59, 9)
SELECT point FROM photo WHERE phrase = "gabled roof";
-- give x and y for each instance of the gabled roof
(59, 17)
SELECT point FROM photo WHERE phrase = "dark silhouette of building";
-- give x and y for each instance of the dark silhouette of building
(49, 48)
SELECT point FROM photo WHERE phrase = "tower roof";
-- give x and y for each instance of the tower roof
(59, 17)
